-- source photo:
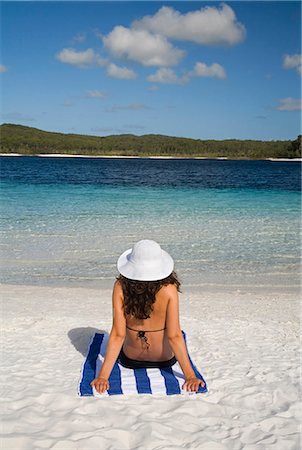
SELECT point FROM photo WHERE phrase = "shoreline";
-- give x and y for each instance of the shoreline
(187, 288)
(63, 155)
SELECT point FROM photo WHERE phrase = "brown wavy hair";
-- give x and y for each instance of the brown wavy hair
(139, 296)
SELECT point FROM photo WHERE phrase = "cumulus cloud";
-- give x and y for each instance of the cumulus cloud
(289, 104)
(95, 94)
(3, 68)
(293, 62)
(142, 46)
(202, 70)
(89, 58)
(122, 73)
(82, 59)
(208, 26)
(166, 76)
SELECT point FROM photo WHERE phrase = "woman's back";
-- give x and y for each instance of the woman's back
(153, 344)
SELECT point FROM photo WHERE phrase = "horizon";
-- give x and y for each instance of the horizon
(153, 68)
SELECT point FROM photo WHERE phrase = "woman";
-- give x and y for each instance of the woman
(146, 330)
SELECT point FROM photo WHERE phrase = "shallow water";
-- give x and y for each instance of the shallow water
(227, 224)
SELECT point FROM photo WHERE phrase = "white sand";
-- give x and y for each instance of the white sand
(246, 346)
(64, 155)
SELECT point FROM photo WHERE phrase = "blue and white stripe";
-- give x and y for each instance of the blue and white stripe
(166, 381)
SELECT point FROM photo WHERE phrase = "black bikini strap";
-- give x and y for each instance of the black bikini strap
(145, 331)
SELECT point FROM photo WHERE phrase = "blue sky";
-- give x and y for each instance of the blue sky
(206, 70)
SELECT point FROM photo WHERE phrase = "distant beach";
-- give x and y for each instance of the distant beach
(62, 155)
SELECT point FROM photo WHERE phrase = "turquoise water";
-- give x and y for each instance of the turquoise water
(70, 231)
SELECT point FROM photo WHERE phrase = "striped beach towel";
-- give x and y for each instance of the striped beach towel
(165, 381)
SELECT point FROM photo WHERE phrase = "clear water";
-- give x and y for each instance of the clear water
(227, 224)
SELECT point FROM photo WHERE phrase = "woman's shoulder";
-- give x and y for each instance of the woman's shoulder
(117, 287)
(168, 290)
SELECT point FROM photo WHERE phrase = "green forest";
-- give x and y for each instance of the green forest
(32, 141)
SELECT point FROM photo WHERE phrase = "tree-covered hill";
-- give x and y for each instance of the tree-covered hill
(32, 141)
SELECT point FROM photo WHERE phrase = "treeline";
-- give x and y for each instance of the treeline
(32, 141)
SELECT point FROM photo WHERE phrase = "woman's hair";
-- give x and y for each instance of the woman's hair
(139, 296)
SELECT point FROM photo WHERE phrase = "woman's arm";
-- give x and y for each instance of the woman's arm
(115, 342)
(177, 342)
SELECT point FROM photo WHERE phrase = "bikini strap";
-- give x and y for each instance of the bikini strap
(144, 331)
(141, 334)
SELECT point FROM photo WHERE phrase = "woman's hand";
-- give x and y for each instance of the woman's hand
(192, 383)
(100, 384)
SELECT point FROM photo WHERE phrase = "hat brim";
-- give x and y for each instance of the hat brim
(142, 272)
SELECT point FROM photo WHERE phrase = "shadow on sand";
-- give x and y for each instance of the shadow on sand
(81, 338)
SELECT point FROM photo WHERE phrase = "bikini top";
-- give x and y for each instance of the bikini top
(142, 335)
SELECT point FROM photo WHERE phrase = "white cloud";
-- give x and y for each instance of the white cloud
(166, 76)
(293, 62)
(3, 68)
(95, 94)
(289, 104)
(122, 73)
(82, 59)
(142, 46)
(202, 70)
(208, 26)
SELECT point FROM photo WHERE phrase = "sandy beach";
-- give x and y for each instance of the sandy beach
(64, 155)
(246, 346)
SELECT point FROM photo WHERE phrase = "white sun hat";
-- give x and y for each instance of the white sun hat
(146, 261)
